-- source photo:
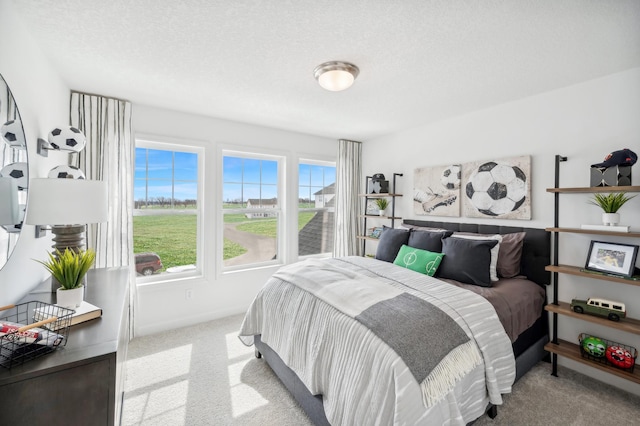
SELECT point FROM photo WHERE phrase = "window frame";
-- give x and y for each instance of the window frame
(309, 160)
(253, 153)
(188, 146)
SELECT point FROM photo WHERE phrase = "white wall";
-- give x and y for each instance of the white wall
(583, 122)
(43, 101)
(164, 305)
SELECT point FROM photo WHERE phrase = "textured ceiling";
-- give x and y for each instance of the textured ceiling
(252, 61)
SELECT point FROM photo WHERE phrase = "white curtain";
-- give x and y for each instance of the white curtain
(348, 177)
(109, 156)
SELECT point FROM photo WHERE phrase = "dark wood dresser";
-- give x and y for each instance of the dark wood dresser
(83, 382)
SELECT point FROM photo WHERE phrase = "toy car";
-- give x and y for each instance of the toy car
(600, 307)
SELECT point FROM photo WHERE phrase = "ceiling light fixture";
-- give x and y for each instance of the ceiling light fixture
(336, 75)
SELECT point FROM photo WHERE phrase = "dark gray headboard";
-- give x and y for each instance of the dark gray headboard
(536, 252)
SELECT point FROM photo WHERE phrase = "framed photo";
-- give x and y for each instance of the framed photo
(372, 208)
(612, 258)
(375, 233)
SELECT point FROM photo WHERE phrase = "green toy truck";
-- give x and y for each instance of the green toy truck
(600, 307)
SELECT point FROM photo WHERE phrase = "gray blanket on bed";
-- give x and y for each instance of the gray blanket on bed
(418, 331)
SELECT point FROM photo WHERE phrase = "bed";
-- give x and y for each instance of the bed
(351, 364)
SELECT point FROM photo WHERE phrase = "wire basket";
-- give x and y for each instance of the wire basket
(30, 330)
(615, 355)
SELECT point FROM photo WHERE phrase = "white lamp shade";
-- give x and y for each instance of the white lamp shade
(9, 205)
(66, 202)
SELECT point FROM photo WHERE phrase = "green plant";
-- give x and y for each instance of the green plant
(610, 203)
(69, 268)
(382, 203)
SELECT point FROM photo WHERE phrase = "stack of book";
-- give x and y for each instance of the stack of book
(85, 312)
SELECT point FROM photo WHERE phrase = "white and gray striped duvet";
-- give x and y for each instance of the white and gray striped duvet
(362, 380)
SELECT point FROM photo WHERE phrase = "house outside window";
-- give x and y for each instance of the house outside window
(251, 209)
(316, 206)
(167, 210)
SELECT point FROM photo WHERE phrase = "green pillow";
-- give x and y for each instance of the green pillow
(423, 261)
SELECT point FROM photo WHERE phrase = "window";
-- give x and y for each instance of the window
(316, 207)
(251, 208)
(167, 206)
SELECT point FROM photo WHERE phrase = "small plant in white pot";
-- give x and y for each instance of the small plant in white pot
(610, 204)
(69, 269)
(382, 204)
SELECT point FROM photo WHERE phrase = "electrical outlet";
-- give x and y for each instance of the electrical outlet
(188, 294)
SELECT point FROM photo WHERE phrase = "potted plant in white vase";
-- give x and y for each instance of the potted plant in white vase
(69, 269)
(382, 204)
(610, 204)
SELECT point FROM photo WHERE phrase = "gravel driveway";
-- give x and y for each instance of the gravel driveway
(259, 248)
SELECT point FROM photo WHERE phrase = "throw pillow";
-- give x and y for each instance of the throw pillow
(427, 240)
(510, 254)
(390, 242)
(467, 260)
(423, 261)
(494, 251)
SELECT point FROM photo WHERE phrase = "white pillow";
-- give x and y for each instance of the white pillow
(494, 251)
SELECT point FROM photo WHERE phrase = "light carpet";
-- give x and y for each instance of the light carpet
(203, 375)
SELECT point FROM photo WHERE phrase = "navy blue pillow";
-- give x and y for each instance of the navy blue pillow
(467, 261)
(428, 240)
(390, 242)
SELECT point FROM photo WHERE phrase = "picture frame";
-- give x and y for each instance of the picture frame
(612, 258)
(372, 208)
(376, 232)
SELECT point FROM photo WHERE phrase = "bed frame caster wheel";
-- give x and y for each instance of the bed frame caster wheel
(492, 412)
(258, 354)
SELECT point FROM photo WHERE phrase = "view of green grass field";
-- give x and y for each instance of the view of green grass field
(173, 237)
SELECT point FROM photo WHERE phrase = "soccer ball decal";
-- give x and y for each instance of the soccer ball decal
(66, 172)
(12, 134)
(67, 139)
(18, 171)
(450, 178)
(496, 189)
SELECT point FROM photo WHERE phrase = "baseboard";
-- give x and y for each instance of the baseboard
(185, 321)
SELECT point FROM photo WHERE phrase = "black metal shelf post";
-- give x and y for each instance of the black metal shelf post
(556, 224)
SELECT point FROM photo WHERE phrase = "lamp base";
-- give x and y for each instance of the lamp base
(68, 237)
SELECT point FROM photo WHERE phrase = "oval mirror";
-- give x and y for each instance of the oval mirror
(14, 174)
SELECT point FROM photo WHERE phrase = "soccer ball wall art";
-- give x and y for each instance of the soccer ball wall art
(498, 189)
(437, 190)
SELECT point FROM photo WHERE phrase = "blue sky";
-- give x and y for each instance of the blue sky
(163, 166)
(242, 177)
(312, 178)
